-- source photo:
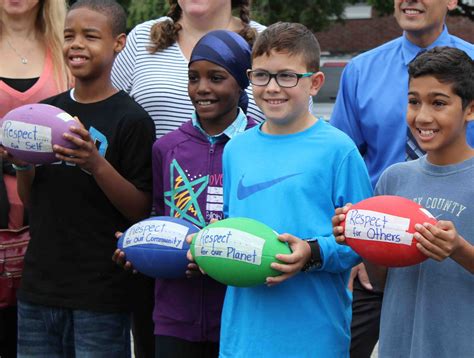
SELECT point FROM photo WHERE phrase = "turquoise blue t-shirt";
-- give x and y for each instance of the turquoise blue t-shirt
(293, 184)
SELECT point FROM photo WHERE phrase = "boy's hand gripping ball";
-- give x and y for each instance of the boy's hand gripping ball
(157, 246)
(30, 131)
(238, 251)
(380, 229)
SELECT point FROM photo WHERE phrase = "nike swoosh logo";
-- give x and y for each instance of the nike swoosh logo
(245, 191)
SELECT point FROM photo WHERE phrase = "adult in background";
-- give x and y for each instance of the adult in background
(153, 69)
(31, 62)
(31, 69)
(371, 108)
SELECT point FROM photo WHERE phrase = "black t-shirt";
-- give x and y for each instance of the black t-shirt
(68, 262)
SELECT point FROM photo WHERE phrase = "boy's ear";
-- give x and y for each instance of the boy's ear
(470, 112)
(120, 41)
(317, 81)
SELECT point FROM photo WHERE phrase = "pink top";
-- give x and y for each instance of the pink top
(10, 98)
(45, 87)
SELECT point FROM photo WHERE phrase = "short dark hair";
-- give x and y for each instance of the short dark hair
(448, 65)
(110, 8)
(292, 38)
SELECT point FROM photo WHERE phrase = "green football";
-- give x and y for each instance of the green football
(238, 251)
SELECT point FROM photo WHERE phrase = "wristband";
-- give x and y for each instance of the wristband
(22, 168)
(315, 262)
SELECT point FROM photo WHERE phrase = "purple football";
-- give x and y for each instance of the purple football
(29, 132)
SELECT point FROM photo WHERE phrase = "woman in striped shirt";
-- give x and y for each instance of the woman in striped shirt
(153, 68)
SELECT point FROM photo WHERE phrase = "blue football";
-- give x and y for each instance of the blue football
(157, 246)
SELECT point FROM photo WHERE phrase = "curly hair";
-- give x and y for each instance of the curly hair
(165, 33)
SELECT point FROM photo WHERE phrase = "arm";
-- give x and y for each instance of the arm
(464, 255)
(119, 256)
(159, 202)
(226, 185)
(351, 184)
(352, 178)
(133, 203)
(157, 171)
(441, 241)
(370, 276)
(25, 175)
(24, 179)
(226, 181)
(345, 114)
(292, 263)
(337, 229)
(360, 271)
(300, 256)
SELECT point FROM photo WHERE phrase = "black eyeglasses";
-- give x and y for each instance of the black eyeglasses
(283, 79)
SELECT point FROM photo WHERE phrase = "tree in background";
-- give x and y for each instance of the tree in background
(316, 14)
(465, 9)
(143, 10)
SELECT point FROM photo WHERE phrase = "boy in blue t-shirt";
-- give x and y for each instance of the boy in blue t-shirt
(420, 317)
(290, 173)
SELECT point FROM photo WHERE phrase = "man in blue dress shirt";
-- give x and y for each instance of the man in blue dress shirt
(371, 108)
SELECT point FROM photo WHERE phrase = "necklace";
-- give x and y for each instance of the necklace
(23, 59)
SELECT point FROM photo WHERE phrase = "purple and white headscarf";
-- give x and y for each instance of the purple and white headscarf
(230, 51)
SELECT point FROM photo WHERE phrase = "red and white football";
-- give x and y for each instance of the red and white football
(30, 131)
(380, 229)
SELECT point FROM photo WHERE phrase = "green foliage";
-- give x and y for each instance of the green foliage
(384, 7)
(315, 14)
(143, 10)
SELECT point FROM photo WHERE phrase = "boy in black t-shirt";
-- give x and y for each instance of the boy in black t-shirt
(72, 300)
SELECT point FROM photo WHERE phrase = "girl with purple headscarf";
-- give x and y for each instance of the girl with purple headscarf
(187, 183)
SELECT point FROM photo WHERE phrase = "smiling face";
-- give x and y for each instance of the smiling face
(437, 120)
(89, 47)
(422, 20)
(286, 109)
(215, 95)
